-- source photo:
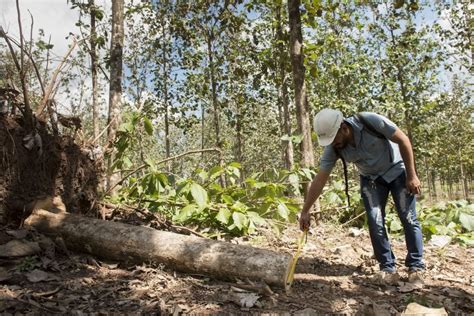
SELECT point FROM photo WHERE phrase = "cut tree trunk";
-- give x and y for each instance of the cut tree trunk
(123, 242)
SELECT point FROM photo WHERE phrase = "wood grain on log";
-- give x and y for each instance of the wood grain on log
(123, 242)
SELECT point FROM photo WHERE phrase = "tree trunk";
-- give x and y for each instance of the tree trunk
(215, 105)
(115, 94)
(428, 179)
(283, 100)
(28, 114)
(463, 179)
(301, 99)
(404, 92)
(123, 242)
(165, 94)
(433, 179)
(240, 140)
(202, 131)
(93, 53)
(468, 34)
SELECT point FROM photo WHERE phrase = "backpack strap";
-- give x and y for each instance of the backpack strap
(344, 164)
(369, 128)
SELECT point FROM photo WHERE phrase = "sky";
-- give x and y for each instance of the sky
(53, 16)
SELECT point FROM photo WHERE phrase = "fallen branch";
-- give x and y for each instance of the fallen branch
(52, 82)
(164, 223)
(158, 163)
(48, 293)
(353, 219)
(22, 68)
(101, 133)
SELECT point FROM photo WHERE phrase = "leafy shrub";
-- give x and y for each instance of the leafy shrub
(238, 208)
(334, 203)
(453, 218)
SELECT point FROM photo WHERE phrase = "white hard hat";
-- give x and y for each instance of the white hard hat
(326, 124)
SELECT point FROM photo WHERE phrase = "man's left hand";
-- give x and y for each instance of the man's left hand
(413, 185)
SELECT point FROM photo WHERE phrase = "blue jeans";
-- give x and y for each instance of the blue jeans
(374, 194)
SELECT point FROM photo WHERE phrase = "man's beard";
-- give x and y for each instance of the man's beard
(341, 145)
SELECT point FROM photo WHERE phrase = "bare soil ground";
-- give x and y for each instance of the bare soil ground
(334, 275)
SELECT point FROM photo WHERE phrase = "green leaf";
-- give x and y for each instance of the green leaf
(333, 198)
(395, 226)
(199, 195)
(127, 163)
(215, 172)
(233, 171)
(151, 164)
(467, 239)
(148, 126)
(467, 221)
(338, 185)
(256, 218)
(297, 139)
(235, 164)
(239, 206)
(283, 211)
(227, 199)
(185, 213)
(239, 220)
(223, 216)
(295, 183)
(203, 175)
(251, 227)
(126, 127)
(306, 173)
(215, 187)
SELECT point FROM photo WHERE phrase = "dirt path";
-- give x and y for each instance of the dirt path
(333, 276)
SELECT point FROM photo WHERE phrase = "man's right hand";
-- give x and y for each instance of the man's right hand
(305, 221)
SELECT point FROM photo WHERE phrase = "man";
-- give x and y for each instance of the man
(384, 157)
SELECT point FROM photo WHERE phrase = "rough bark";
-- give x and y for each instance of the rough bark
(115, 94)
(301, 100)
(123, 242)
(215, 104)
(93, 53)
(283, 99)
(165, 93)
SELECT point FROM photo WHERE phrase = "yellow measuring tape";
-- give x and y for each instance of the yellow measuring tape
(291, 272)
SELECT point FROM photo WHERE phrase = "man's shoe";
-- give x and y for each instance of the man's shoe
(415, 277)
(386, 278)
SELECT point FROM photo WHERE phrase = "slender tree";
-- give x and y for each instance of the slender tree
(301, 100)
(115, 94)
(282, 82)
(94, 66)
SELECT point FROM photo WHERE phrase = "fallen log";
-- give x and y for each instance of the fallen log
(123, 242)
